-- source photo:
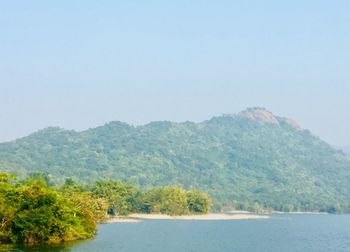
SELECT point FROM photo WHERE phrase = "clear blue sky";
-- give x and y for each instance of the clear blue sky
(79, 64)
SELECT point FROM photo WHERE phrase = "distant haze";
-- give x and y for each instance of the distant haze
(80, 64)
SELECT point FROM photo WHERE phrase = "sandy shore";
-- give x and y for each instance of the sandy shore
(238, 212)
(301, 213)
(123, 220)
(136, 217)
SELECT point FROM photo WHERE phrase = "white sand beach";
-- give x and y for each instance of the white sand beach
(123, 220)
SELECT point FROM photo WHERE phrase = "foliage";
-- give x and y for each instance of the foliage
(167, 200)
(122, 198)
(198, 202)
(33, 213)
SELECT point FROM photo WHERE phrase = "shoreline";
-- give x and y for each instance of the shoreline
(300, 213)
(134, 218)
(231, 215)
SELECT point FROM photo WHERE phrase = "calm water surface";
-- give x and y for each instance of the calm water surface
(281, 233)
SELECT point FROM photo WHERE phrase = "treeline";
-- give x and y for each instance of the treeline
(34, 211)
(124, 199)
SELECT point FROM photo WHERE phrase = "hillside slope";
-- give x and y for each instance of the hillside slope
(249, 160)
(346, 149)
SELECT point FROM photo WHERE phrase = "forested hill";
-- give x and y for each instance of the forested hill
(249, 160)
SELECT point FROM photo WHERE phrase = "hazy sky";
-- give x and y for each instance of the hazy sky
(79, 64)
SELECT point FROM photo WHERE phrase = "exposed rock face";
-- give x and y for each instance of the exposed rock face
(291, 122)
(262, 115)
(259, 114)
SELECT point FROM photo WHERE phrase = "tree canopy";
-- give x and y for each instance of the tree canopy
(32, 211)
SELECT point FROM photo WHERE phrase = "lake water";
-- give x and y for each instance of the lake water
(281, 233)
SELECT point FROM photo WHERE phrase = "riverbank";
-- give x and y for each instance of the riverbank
(205, 217)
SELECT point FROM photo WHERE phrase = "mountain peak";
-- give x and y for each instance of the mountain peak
(259, 114)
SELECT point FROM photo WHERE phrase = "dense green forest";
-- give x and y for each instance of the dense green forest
(252, 160)
(34, 211)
